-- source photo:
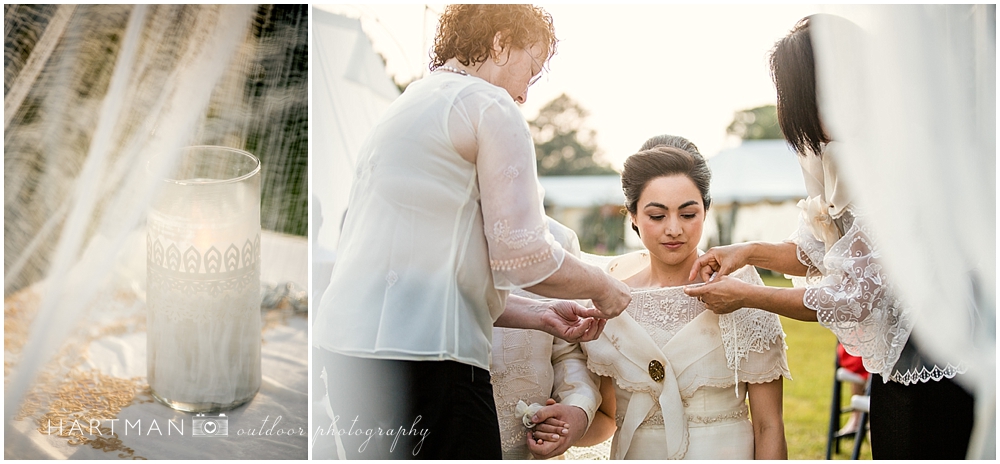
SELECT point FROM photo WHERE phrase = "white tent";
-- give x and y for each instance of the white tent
(350, 90)
(756, 171)
(755, 188)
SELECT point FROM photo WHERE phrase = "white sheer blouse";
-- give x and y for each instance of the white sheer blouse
(846, 284)
(433, 241)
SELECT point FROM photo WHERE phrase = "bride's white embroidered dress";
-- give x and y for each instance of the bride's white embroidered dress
(681, 371)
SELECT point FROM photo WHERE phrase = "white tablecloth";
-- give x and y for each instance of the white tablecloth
(101, 373)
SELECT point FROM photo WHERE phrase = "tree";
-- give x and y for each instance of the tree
(563, 146)
(756, 124)
(603, 230)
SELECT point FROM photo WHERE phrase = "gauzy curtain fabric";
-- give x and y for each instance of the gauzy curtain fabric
(910, 92)
(98, 100)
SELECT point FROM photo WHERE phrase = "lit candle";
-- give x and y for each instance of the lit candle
(203, 277)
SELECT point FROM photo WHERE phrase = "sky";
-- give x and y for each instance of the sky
(640, 70)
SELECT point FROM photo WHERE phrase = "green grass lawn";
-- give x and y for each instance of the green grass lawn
(811, 351)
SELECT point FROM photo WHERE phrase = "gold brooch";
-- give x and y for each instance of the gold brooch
(656, 371)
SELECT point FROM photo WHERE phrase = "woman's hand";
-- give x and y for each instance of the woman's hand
(722, 296)
(727, 294)
(615, 299)
(559, 427)
(572, 322)
(720, 260)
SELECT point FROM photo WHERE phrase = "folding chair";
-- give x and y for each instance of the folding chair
(858, 402)
(861, 403)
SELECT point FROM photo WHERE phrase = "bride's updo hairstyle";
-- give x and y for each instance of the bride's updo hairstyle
(664, 155)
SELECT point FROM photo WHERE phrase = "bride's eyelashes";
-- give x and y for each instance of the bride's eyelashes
(658, 217)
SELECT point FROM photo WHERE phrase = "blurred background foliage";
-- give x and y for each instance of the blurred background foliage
(758, 123)
(58, 63)
(279, 93)
(563, 144)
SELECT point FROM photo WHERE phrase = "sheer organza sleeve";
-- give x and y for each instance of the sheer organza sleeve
(857, 302)
(754, 340)
(522, 251)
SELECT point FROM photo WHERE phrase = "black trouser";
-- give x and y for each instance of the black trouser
(393, 409)
(931, 420)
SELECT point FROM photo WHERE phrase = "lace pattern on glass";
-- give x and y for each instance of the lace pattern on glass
(189, 276)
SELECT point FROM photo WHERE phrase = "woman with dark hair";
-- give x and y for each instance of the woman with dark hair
(917, 411)
(676, 378)
(444, 219)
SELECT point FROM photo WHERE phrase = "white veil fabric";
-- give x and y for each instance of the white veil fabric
(910, 93)
(98, 101)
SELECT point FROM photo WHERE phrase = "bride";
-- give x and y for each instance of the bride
(678, 376)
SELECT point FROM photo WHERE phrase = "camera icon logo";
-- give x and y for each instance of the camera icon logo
(209, 426)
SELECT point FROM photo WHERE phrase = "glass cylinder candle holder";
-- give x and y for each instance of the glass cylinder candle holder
(203, 282)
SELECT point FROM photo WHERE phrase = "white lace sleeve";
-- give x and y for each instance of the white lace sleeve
(856, 301)
(522, 251)
(754, 340)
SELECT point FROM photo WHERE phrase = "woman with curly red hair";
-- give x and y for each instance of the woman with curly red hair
(444, 219)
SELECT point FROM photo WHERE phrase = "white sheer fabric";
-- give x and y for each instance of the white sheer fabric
(692, 412)
(432, 240)
(849, 288)
(911, 91)
(98, 100)
(94, 180)
(533, 366)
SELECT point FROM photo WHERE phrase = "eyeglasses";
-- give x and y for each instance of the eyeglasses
(541, 69)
